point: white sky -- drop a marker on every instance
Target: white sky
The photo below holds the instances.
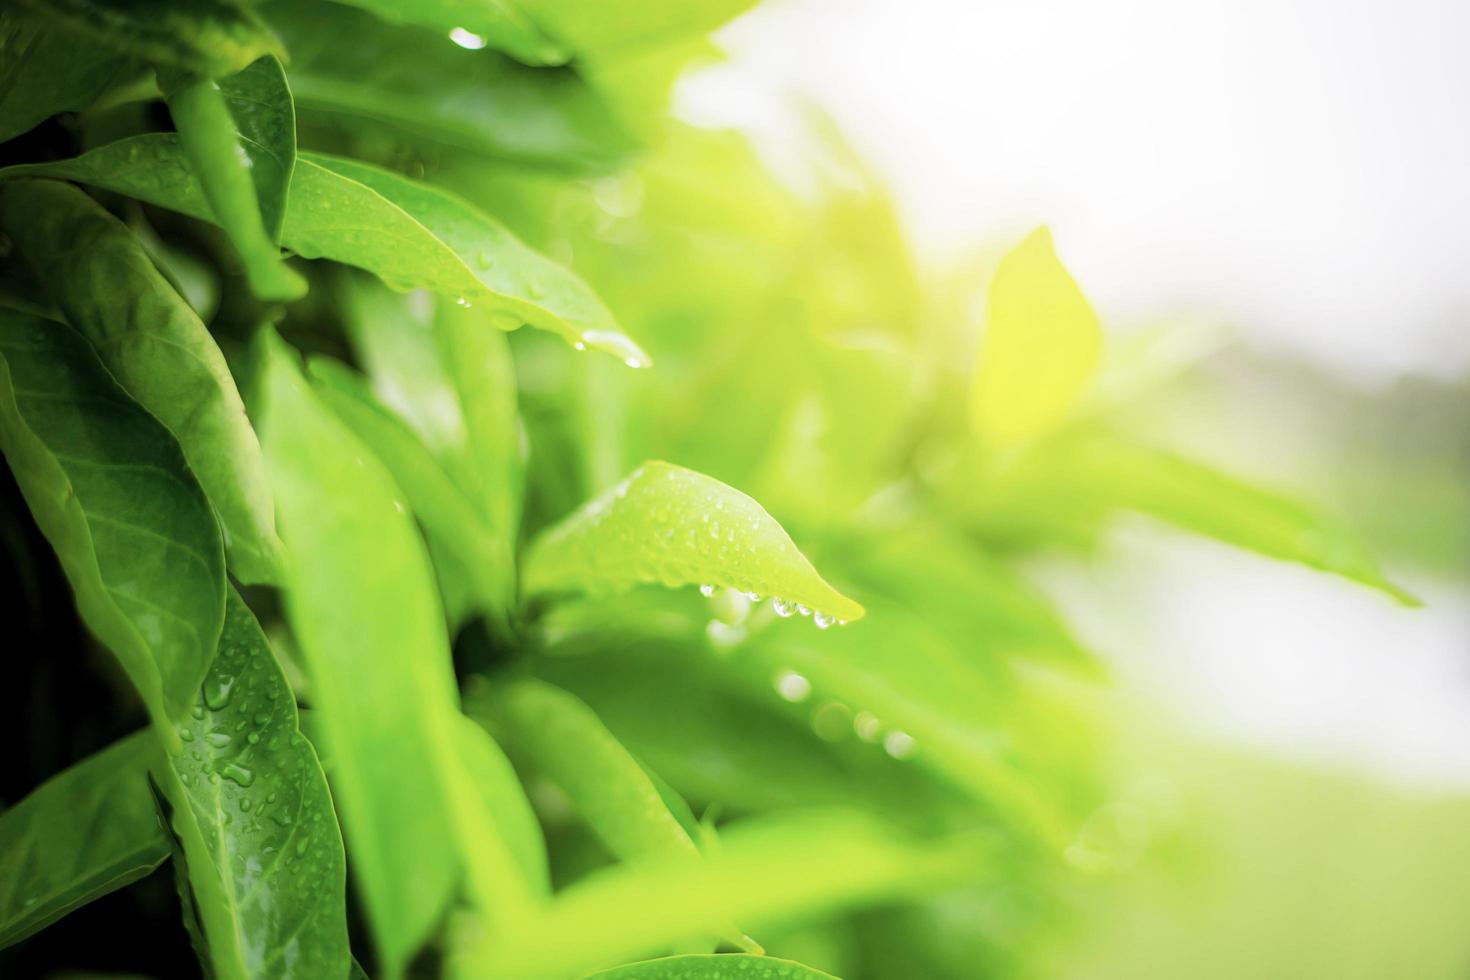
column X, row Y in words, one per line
column 1298, row 168
column 1301, row 168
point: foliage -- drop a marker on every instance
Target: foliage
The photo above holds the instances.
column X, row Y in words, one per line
column 272, row 410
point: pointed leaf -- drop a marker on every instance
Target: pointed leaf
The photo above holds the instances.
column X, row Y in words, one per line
column 409, row 234
column 564, row 741
column 98, row 273
column 360, row 601
column 86, row 831
column 240, row 138
column 211, row 37
column 503, row 795
column 674, row 526
column 737, row 966
column 111, row 491
column 1041, row 346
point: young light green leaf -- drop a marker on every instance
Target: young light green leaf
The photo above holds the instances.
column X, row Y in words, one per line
column 767, row 871
column 481, row 559
column 674, row 526
column 1041, row 346
column 240, row 137
column 270, row 876
column 1204, row 500
column 363, row 608
column 95, row 270
column 418, row 83
column 211, row 37
column 738, row 966
column 497, row 24
column 408, row 234
column 86, row 831
column 111, row 491
column 45, row 70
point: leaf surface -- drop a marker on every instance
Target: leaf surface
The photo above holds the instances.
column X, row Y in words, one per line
column 240, row 137
column 697, row 966
column 211, row 37
column 677, row 527
column 1041, row 346
column 766, row 871
column 419, row 83
column 86, row 831
column 111, row 491
column 100, row 276
column 363, row 609
column 410, row 235
column 271, row 876
column 498, row 24
column 45, row 70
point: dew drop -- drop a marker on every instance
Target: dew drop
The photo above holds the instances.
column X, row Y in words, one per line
column 824, row 621
column 467, row 39
column 245, row 804
column 899, row 744
column 578, row 345
column 237, row 774
column 187, row 734
column 253, row 738
column 866, row 725
column 804, row 610
column 218, row 739
column 752, row 597
column 217, row 691
column 707, row 591
column 782, row 608
column 301, row 846
column 792, row 686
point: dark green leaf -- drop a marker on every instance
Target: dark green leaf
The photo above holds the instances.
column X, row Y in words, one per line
column 45, row 70
column 211, row 37
column 408, row 234
column 420, row 83
column 497, row 24
column 112, row 493
column 99, row 275
column 83, row 833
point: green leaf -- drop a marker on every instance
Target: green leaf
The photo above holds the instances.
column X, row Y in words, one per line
column 270, row 876
column 480, row 560
column 564, row 741
column 86, row 831
column 98, row 273
column 360, row 600
column 497, row 24
column 1041, row 346
column 737, row 966
column 211, row 37
column 45, row 70
column 670, row 525
column 111, row 491
column 419, row 83
column 503, row 795
column 605, row 29
column 408, row 234
column 240, row 137
column 766, row 871
column 1206, row 501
